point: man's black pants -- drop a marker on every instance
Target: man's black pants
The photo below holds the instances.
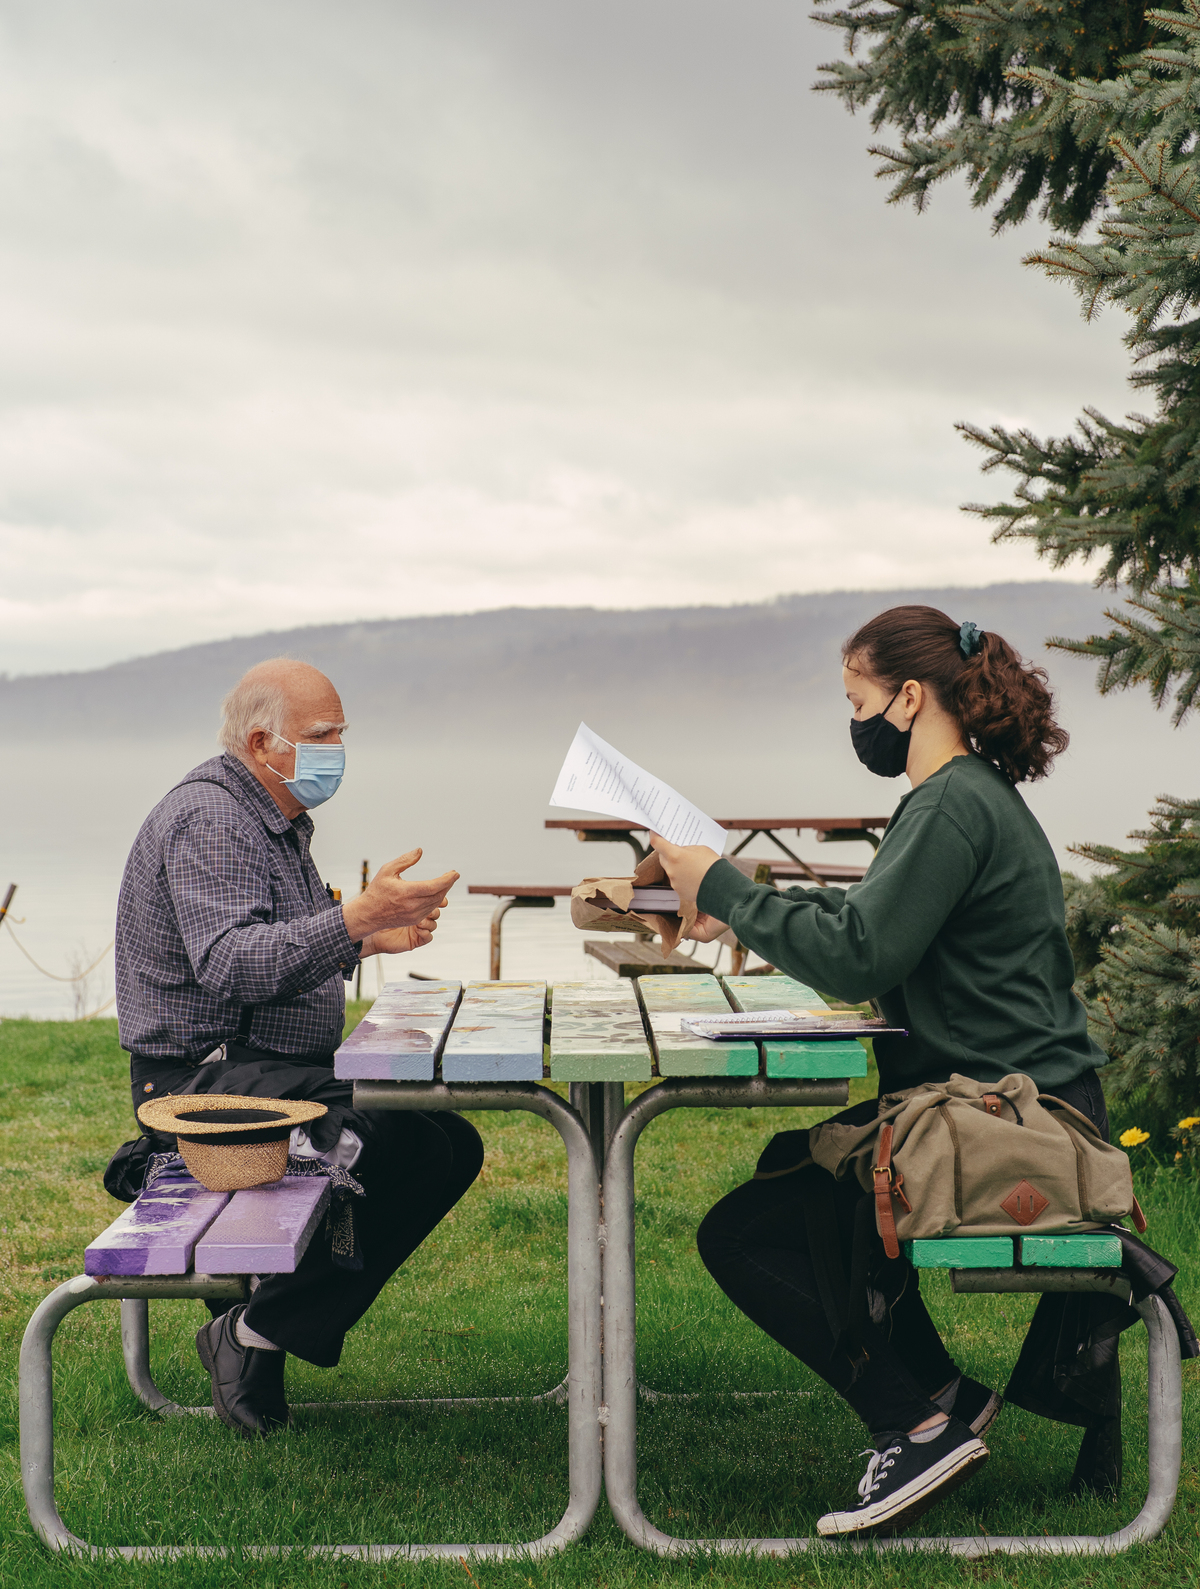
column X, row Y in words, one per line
column 755, row 1246
column 413, row 1168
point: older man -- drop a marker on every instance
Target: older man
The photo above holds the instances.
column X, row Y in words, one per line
column 232, row 959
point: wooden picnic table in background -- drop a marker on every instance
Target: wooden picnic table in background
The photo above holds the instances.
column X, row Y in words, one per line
column 631, row 960
column 829, row 830
column 519, row 895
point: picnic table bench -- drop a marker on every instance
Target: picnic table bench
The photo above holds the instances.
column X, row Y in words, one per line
column 496, row 1045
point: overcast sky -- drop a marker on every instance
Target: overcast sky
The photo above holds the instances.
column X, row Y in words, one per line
column 311, row 311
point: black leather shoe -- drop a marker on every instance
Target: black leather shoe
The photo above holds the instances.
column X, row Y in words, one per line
column 247, row 1383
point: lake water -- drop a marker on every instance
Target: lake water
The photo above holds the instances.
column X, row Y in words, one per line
column 71, row 816
column 66, row 848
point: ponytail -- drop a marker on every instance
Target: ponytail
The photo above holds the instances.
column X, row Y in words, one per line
column 1003, row 705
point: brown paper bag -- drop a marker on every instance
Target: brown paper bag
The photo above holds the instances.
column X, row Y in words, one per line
column 601, row 904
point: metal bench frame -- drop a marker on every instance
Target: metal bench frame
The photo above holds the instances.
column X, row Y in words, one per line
column 582, row 1386
column 1164, row 1413
column 598, row 1138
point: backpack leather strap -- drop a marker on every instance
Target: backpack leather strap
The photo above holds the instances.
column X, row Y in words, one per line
column 887, row 1183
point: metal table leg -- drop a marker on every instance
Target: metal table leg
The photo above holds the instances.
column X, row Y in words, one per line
column 620, row 1379
column 583, row 1372
column 620, row 1369
column 135, row 1347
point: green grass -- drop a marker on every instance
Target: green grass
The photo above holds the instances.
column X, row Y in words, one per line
column 481, row 1310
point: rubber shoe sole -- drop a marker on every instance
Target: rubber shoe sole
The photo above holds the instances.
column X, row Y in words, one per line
column 987, row 1415
column 912, row 1500
column 988, row 1405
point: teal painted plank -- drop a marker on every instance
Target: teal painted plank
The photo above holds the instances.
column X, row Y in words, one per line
column 596, row 1033
column 826, row 1058
column 402, row 1035
column 1077, row 1250
column 791, row 1057
column 665, row 1000
column 961, row 1252
column 497, row 1034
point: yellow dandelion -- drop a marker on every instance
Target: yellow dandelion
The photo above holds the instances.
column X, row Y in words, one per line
column 1189, row 1124
column 1133, row 1138
column 1178, row 1156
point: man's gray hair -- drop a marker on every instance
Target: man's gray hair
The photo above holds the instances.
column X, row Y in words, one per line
column 252, row 703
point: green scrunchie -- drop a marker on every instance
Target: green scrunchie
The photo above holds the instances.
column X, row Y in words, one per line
column 970, row 636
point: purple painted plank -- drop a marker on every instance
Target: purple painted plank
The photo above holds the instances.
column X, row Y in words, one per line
column 156, row 1235
column 264, row 1230
column 402, row 1037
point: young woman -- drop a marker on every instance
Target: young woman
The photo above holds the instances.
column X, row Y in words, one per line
column 957, row 934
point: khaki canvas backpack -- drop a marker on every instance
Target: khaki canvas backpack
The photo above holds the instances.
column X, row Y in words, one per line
column 973, row 1158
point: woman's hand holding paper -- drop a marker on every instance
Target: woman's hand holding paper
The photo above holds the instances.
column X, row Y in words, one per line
column 686, row 865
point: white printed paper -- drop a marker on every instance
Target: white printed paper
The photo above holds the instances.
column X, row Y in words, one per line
column 597, row 778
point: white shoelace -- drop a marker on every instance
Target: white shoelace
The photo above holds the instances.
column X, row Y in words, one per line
column 876, row 1467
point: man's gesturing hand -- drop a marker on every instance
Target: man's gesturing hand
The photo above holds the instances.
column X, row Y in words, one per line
column 392, row 900
column 399, row 940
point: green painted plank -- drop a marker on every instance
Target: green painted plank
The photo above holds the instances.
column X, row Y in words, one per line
column 596, row 1033
column 1077, row 1250
column 961, row 1252
column 665, row 1000
column 771, row 993
column 791, row 1057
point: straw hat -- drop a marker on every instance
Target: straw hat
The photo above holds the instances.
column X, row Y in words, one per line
column 229, row 1142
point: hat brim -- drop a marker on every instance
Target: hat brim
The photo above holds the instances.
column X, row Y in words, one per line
column 251, row 1120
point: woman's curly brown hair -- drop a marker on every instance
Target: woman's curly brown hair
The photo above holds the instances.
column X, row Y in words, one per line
column 1003, row 704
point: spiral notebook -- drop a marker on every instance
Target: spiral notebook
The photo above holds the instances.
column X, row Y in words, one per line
column 787, row 1023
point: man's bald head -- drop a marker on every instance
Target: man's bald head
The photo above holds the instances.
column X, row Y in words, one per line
column 287, row 699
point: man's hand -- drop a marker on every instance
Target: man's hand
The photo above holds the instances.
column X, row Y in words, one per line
column 392, row 901
column 399, row 940
column 685, row 865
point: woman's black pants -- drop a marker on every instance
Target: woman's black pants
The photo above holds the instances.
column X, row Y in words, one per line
column 755, row 1245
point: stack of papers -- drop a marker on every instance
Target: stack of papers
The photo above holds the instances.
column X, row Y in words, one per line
column 660, row 901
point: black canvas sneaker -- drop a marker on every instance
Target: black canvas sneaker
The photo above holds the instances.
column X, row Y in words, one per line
column 903, row 1480
column 971, row 1403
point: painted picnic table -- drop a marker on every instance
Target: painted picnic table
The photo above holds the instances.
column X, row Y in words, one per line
column 583, row 1032
column 492, row 1045
column 510, row 1039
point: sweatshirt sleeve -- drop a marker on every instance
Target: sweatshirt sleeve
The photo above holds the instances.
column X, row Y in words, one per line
column 870, row 939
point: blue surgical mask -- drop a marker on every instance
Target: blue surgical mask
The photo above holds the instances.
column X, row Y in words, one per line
column 319, row 771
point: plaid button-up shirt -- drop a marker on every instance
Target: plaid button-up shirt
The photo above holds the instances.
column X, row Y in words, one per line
column 222, row 908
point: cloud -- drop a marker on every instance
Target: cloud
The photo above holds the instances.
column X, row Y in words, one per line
column 313, row 312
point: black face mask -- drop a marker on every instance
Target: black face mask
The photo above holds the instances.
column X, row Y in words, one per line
column 879, row 745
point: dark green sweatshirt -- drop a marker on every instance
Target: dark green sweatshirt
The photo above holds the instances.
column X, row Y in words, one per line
column 957, row 931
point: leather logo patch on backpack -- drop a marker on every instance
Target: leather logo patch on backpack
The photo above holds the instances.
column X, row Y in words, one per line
column 1024, row 1203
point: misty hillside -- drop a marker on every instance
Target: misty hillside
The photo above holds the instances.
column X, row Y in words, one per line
column 431, row 675
column 459, row 726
